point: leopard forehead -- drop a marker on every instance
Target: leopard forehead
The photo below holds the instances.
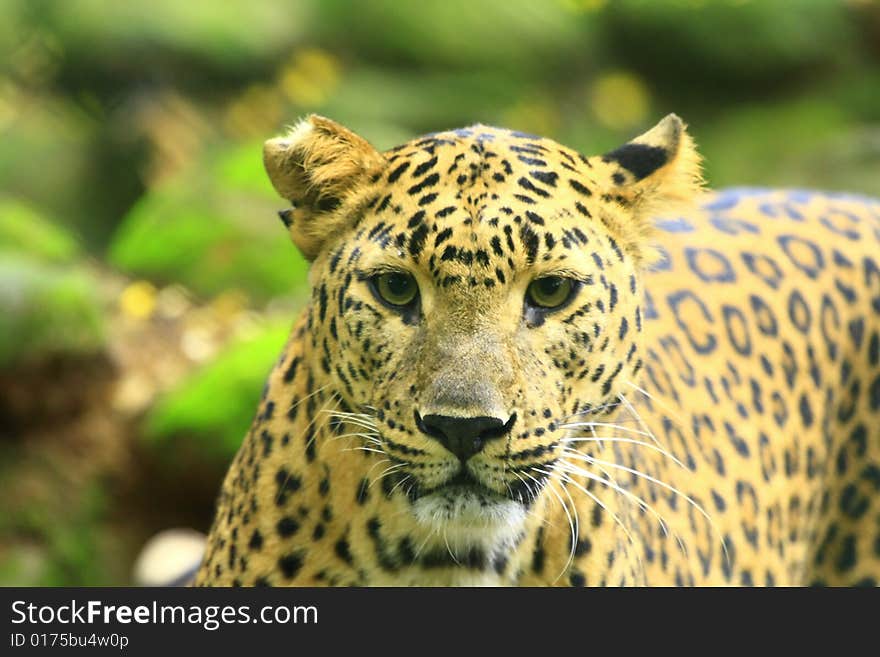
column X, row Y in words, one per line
column 473, row 178
column 475, row 214
column 472, row 209
column 493, row 189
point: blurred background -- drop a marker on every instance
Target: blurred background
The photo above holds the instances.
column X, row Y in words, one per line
column 146, row 285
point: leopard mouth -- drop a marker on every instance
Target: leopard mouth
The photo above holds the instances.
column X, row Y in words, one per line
column 462, row 485
column 464, row 489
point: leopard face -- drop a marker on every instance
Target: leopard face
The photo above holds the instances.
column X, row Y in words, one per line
column 471, row 297
column 480, row 333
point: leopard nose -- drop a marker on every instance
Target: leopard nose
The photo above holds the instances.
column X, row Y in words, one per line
column 464, row 436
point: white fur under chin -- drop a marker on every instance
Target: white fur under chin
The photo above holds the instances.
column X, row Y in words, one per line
column 464, row 519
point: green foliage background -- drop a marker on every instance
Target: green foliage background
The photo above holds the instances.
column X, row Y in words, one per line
column 130, row 138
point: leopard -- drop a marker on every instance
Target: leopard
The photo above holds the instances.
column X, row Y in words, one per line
column 523, row 366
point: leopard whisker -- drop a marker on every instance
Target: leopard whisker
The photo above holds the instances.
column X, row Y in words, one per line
column 308, row 396
column 379, row 462
column 663, row 523
column 565, row 477
column 357, row 421
column 386, row 472
column 394, row 488
column 571, row 527
column 662, row 484
column 448, row 548
column 638, row 417
column 548, row 521
column 618, row 439
column 666, row 407
column 577, row 527
column 354, row 417
column 678, row 418
column 575, row 425
column 364, row 449
column 530, row 496
column 422, row 545
column 592, row 410
column 356, row 434
column 605, row 472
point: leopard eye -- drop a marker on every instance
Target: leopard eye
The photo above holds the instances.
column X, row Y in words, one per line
column 397, row 289
column 550, row 292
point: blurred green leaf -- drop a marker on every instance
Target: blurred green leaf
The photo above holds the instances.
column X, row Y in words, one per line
column 215, row 406
column 425, row 100
column 46, row 309
column 211, row 238
column 732, row 43
column 233, row 32
column 770, row 144
column 239, row 167
column 25, row 230
column 500, row 35
column 45, row 156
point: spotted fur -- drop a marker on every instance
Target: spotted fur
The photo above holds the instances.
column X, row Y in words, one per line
column 704, row 410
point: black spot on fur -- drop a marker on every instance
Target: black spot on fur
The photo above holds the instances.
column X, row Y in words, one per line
column 442, row 236
column 639, row 159
column 397, row 172
column 287, row 526
column 290, row 564
column 287, row 484
column 343, row 551
column 846, row 558
column 428, row 181
column 546, row 177
column 530, row 241
column 424, row 167
column 417, row 240
column 579, row 188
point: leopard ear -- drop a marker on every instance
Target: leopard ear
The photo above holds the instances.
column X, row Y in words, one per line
column 655, row 173
column 318, row 166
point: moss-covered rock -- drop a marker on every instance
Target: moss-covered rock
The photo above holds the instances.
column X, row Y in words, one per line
column 47, row 309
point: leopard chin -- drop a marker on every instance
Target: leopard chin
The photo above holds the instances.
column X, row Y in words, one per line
column 467, row 517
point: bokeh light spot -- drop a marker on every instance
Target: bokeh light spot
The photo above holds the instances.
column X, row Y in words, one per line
column 311, row 77
column 620, row 100
column 138, row 300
